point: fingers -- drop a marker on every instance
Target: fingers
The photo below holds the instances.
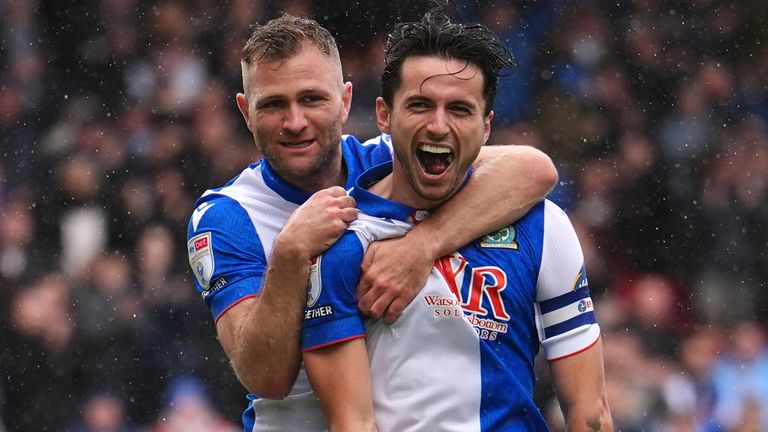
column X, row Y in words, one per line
column 348, row 215
column 366, row 296
column 365, row 300
column 320, row 221
column 379, row 305
column 336, row 191
column 343, row 203
column 394, row 310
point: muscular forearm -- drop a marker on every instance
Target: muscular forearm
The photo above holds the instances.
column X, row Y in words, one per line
column 265, row 347
column 579, row 382
column 262, row 335
column 507, row 182
column 589, row 418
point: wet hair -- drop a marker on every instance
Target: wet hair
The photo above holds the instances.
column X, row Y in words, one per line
column 436, row 36
column 283, row 37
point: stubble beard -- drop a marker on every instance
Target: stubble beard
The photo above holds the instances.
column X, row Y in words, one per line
column 313, row 171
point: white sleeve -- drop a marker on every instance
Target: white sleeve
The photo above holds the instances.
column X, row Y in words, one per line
column 564, row 311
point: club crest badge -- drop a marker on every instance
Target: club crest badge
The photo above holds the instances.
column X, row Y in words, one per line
column 201, row 258
column 315, row 283
column 501, row 239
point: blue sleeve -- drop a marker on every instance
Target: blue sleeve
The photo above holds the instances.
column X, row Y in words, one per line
column 331, row 315
column 225, row 253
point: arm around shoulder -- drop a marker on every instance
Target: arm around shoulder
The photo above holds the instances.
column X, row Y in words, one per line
column 508, row 181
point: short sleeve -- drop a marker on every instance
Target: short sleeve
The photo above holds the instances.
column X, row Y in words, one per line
column 225, row 253
column 564, row 310
column 331, row 315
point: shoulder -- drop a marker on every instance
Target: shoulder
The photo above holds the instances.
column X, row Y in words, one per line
column 360, row 156
column 214, row 211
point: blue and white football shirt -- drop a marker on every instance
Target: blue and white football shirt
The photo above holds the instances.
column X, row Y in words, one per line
column 230, row 238
column 461, row 355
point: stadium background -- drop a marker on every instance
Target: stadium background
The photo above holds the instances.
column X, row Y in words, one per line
column 116, row 114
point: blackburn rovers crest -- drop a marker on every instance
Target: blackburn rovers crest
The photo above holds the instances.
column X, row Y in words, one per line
column 501, row 239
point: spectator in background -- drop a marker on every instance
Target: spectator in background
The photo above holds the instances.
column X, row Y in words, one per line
column 188, row 408
column 17, row 233
column 689, row 393
column 41, row 358
column 102, row 411
column 78, row 82
column 740, row 377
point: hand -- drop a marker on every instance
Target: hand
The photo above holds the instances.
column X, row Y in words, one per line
column 319, row 222
column 394, row 271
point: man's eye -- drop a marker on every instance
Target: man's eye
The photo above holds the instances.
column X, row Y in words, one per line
column 417, row 105
column 273, row 104
column 311, row 99
column 461, row 110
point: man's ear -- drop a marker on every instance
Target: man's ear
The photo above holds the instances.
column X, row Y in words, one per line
column 382, row 115
column 487, row 125
column 242, row 104
column 346, row 101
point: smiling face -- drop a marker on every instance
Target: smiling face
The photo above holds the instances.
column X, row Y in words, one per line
column 295, row 109
column 437, row 124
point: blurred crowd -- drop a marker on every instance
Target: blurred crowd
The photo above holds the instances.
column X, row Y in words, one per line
column 115, row 115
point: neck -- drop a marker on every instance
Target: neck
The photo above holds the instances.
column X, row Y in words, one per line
column 397, row 188
column 383, row 188
column 322, row 179
column 315, row 184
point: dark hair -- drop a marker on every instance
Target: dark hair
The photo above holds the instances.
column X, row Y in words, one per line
column 436, row 35
column 282, row 37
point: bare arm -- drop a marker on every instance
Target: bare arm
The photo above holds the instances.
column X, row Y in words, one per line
column 507, row 182
column 579, row 381
column 341, row 378
column 261, row 335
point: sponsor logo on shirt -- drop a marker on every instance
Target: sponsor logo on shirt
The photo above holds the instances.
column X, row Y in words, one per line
column 487, row 328
column 219, row 284
column 501, row 239
column 443, row 307
column 481, row 302
column 318, row 312
column 585, row 305
column 200, row 252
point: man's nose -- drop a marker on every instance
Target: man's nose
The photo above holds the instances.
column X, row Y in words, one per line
column 438, row 123
column 295, row 120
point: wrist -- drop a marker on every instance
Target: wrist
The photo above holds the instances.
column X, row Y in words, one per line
column 287, row 250
column 429, row 240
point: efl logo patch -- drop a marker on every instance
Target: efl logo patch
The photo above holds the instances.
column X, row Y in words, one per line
column 501, row 239
column 201, row 258
column 315, row 283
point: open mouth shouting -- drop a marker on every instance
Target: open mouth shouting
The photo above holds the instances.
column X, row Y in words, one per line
column 434, row 160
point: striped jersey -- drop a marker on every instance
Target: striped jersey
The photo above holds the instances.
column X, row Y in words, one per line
column 461, row 355
column 230, row 237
